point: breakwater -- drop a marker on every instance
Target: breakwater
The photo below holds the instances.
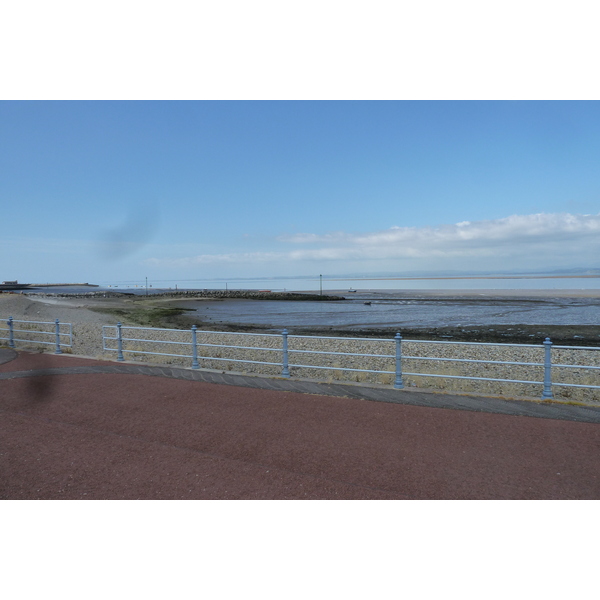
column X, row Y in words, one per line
column 15, row 285
column 212, row 294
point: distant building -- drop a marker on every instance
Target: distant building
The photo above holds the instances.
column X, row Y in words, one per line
column 13, row 285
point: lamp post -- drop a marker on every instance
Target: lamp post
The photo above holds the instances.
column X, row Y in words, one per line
column 146, row 286
column 320, row 285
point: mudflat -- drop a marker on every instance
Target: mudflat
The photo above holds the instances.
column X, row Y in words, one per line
column 498, row 316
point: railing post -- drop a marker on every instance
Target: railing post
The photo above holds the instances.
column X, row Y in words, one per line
column 194, row 348
column 58, row 350
column 119, row 343
column 398, row 383
column 547, row 394
column 286, row 371
column 11, row 335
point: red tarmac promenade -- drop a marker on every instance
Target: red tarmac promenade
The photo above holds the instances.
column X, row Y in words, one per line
column 73, row 428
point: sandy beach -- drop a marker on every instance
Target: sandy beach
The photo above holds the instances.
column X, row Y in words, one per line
column 75, row 310
column 87, row 324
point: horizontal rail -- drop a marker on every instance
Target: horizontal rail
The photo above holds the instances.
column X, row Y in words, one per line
column 155, row 353
column 577, row 347
column 414, row 358
column 341, row 369
column 578, row 385
column 341, row 353
column 576, row 367
column 198, row 331
column 39, row 322
column 241, row 347
column 476, row 378
column 144, row 328
column 37, row 342
column 34, row 334
column 474, row 360
column 256, row 362
column 324, row 337
column 36, row 331
column 152, row 341
column 240, row 333
column 469, row 343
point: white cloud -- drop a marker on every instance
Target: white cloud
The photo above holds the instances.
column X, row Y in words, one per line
column 510, row 236
column 541, row 240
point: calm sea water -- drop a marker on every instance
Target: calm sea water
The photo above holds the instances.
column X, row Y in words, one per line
column 384, row 310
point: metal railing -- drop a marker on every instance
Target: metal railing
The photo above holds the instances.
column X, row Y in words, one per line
column 33, row 332
column 190, row 343
column 547, row 364
column 549, row 367
column 571, row 366
column 397, row 372
column 283, row 349
column 396, row 359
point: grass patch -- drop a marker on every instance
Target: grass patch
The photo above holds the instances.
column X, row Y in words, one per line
column 147, row 316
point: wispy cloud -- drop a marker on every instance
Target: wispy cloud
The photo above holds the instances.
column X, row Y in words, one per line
column 461, row 237
column 208, row 259
column 538, row 238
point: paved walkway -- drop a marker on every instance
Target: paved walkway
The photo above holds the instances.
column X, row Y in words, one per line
column 548, row 410
column 79, row 428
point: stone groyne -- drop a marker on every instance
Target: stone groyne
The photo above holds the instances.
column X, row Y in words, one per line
column 216, row 294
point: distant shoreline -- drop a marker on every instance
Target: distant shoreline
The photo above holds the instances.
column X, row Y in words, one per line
column 26, row 286
column 458, row 277
column 479, row 293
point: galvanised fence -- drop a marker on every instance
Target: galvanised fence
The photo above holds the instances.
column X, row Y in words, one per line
column 531, row 369
column 53, row 333
column 543, row 370
column 182, row 344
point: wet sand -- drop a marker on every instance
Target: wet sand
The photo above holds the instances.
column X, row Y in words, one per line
column 508, row 316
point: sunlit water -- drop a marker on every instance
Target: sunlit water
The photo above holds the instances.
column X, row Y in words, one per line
column 385, row 311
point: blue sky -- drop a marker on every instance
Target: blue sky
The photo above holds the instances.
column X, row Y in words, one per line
column 120, row 190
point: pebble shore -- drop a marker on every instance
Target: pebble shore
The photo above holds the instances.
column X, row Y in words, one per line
column 307, row 350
